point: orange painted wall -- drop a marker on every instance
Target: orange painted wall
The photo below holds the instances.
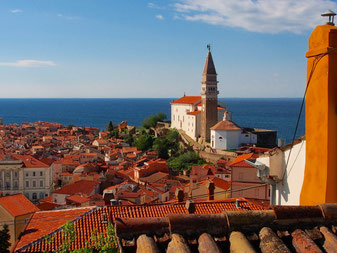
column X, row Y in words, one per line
column 320, row 176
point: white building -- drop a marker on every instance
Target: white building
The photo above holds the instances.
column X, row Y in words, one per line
column 288, row 179
column 25, row 174
column 186, row 115
column 227, row 135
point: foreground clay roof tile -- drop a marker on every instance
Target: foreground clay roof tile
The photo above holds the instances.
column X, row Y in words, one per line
column 45, row 222
column 87, row 220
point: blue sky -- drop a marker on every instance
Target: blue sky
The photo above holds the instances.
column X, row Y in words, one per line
column 136, row 48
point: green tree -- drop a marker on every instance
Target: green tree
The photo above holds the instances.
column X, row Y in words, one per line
column 113, row 134
column 168, row 145
column 185, row 161
column 144, row 142
column 69, row 127
column 98, row 242
column 153, row 119
column 110, row 126
column 4, row 239
column 161, row 145
column 128, row 138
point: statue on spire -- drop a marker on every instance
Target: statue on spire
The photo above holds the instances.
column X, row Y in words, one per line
column 209, row 47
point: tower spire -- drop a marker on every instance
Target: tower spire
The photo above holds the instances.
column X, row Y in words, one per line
column 209, row 97
column 209, row 65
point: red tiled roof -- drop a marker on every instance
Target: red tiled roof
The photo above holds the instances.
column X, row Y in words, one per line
column 77, row 198
column 86, row 224
column 187, row 100
column 18, row 205
column 83, row 186
column 226, row 125
column 240, row 160
column 45, row 206
column 29, row 161
column 45, row 222
column 194, row 113
column 223, row 184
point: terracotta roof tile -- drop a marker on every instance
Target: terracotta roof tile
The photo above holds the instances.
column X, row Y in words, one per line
column 194, row 113
column 45, row 222
column 18, row 205
column 86, row 224
column 187, row 100
column 85, row 187
column 241, row 158
column 226, row 125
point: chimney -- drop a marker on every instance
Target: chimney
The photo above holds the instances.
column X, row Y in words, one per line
column 179, row 195
column 320, row 117
column 190, row 207
column 227, row 115
column 210, row 189
column 238, row 203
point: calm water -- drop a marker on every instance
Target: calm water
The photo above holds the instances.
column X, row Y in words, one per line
column 273, row 113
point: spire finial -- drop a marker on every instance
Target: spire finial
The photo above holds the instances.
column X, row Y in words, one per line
column 209, row 47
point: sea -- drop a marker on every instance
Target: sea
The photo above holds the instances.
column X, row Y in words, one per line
column 278, row 114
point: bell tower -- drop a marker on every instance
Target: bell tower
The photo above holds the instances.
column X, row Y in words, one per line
column 209, row 97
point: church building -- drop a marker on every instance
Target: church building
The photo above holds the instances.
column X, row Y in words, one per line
column 197, row 114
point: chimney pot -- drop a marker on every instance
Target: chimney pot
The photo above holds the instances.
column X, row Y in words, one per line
column 190, row 206
column 179, row 195
column 238, row 203
column 210, row 189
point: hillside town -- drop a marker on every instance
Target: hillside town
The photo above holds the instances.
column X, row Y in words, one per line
column 196, row 183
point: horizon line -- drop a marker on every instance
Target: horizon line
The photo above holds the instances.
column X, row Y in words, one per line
column 134, row 97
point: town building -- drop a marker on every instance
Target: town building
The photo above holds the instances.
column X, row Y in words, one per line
column 25, row 174
column 15, row 211
column 228, row 135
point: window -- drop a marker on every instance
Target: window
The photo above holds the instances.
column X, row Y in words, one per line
column 34, row 174
column 15, row 184
column 41, row 183
column 27, row 174
column 15, row 174
column 41, row 173
column 220, row 138
column 41, row 195
column 34, row 183
column 27, row 183
column 34, row 195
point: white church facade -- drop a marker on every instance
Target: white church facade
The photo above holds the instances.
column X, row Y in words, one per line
column 227, row 135
column 186, row 115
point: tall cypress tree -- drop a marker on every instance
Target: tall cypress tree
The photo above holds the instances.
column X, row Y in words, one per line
column 4, row 239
